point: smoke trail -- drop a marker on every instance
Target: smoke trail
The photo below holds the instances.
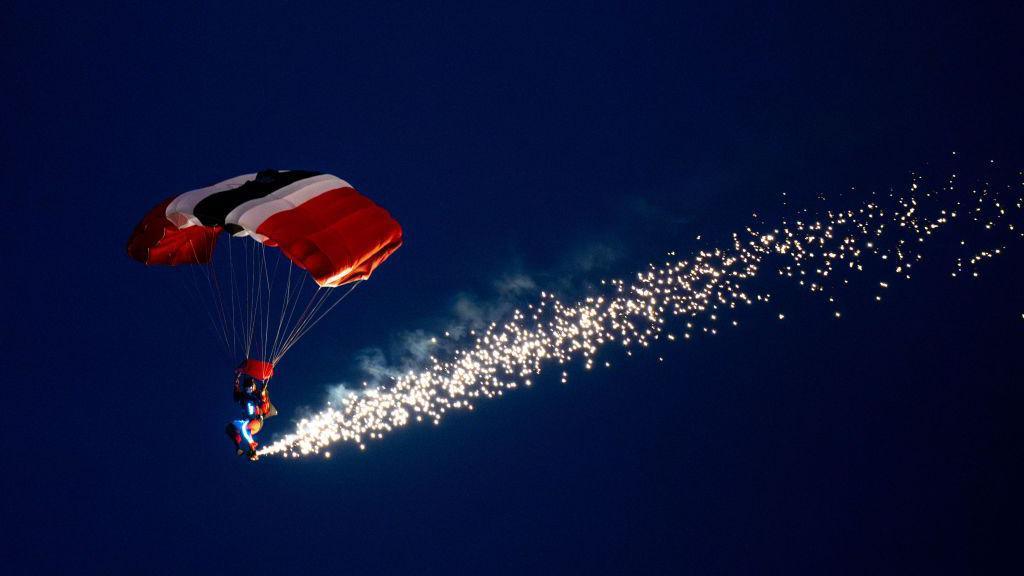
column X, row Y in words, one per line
column 675, row 300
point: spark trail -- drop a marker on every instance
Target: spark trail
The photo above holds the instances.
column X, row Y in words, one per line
column 680, row 299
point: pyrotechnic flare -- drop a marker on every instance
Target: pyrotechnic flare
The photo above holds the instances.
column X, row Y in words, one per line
column 677, row 300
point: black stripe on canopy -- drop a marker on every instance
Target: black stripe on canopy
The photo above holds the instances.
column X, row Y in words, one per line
column 213, row 209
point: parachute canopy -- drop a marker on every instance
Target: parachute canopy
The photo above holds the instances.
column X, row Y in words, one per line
column 295, row 221
column 318, row 221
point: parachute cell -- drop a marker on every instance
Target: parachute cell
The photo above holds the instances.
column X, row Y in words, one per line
column 157, row 241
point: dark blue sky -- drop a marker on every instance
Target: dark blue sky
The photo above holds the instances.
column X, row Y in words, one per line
column 507, row 139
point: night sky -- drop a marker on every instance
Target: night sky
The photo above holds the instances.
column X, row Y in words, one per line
column 565, row 143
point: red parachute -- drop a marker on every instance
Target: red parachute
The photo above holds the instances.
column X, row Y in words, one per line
column 313, row 222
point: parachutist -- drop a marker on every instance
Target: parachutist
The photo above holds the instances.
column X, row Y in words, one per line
column 252, row 378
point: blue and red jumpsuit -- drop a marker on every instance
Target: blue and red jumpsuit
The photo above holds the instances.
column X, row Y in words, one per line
column 255, row 403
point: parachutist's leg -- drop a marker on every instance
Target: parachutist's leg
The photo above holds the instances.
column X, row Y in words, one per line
column 243, row 427
column 232, row 434
column 240, row 435
column 249, row 429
